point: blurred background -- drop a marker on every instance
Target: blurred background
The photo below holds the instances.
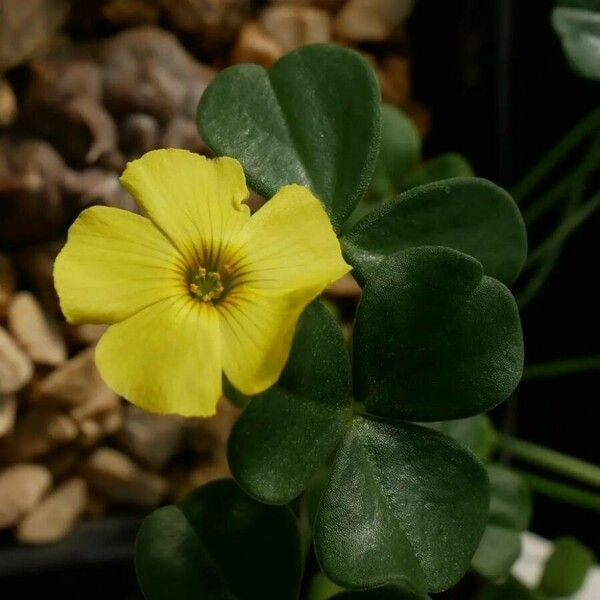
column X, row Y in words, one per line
column 86, row 86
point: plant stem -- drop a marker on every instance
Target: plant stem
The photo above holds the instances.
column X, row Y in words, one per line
column 562, row 367
column 585, row 127
column 561, row 491
column 552, row 460
column 562, row 232
column 545, row 202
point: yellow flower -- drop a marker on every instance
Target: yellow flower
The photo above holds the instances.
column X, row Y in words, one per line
column 198, row 288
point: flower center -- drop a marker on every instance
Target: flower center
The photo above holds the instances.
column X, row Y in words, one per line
column 206, row 285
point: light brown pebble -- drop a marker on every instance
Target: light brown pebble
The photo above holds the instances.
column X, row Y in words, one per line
column 207, row 436
column 295, row 26
column 21, row 488
column 371, row 20
column 39, row 337
column 54, row 518
column 16, row 369
column 255, row 45
column 8, row 283
column 150, row 438
column 8, row 413
column 121, row 480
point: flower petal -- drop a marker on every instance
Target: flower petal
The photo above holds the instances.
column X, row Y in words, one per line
column 115, row 263
column 291, row 255
column 291, row 247
column 198, row 203
column 257, row 333
column 166, row 358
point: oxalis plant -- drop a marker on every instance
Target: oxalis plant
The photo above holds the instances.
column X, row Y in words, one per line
column 342, row 450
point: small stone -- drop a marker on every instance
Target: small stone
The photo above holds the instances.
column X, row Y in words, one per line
column 21, row 488
column 121, row 480
column 140, row 133
column 37, row 432
column 73, row 383
column 101, row 403
column 63, row 461
column 209, row 436
column 90, row 433
column 54, row 518
column 150, row 438
column 8, row 413
column 86, row 334
column 8, row 103
column 295, row 26
column 346, row 287
column 16, row 369
column 184, row 481
column 394, row 80
column 8, row 283
column 371, row 20
column 255, row 45
column 182, row 132
column 131, row 12
column 38, row 336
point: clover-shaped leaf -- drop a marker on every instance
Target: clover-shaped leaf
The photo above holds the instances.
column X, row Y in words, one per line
column 435, row 339
column 219, row 543
column 382, row 593
column 286, row 434
column 404, row 505
column 313, row 118
column 509, row 516
column 444, row 166
column 472, row 215
column 475, row 433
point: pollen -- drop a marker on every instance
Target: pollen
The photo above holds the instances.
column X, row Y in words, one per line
column 206, row 285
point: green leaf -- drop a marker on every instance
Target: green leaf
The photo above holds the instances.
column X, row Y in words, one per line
column 476, row 433
column 321, row 588
column 286, row 434
column 219, row 544
column 510, row 513
column 579, row 32
column 434, row 339
column 313, row 118
column 467, row 214
column 511, row 589
column 405, row 505
column 567, row 568
column 383, row 593
column 445, row 166
column 400, row 149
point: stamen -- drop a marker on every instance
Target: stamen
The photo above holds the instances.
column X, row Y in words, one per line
column 206, row 285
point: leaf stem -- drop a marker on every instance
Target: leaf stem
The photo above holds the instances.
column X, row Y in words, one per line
column 532, row 178
column 552, row 460
column 562, row 232
column 567, row 366
column 561, row 491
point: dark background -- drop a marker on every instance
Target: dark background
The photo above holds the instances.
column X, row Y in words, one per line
column 501, row 92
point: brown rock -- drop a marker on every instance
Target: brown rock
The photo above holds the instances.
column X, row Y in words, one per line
column 8, row 103
column 140, row 133
column 131, row 12
column 73, row 383
column 39, row 337
column 54, row 518
column 8, row 413
column 21, row 488
column 371, row 20
column 90, row 433
column 255, row 45
column 152, row 439
column 31, row 176
column 346, row 287
column 101, row 403
column 15, row 367
column 85, row 334
column 181, row 132
column 37, row 265
column 209, row 436
column 26, row 28
column 394, row 80
column 121, row 480
column 63, row 461
column 294, row 26
column 183, row 481
column 8, row 283
column 148, row 71
column 208, row 25
column 37, row 432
